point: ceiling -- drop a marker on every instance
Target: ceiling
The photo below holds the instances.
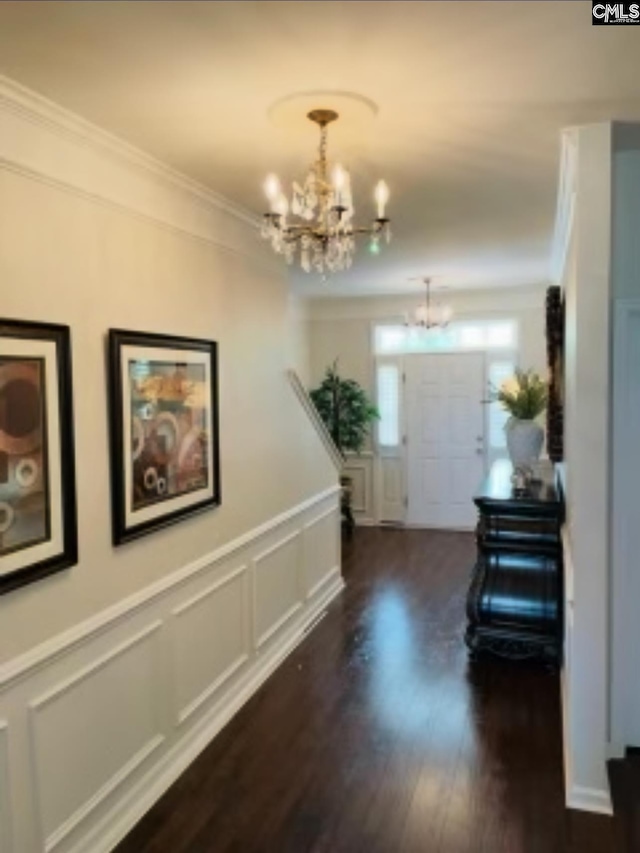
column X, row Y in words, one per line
column 471, row 97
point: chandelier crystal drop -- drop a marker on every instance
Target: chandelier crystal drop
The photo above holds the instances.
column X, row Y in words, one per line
column 316, row 225
column 430, row 315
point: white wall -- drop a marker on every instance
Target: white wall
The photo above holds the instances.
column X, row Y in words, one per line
column 586, row 280
column 117, row 671
column 602, row 420
column 625, row 510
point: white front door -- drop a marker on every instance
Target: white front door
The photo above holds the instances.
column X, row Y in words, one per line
column 445, row 438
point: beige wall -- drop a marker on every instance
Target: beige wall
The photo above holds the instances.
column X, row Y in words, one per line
column 299, row 352
column 93, row 243
column 342, row 328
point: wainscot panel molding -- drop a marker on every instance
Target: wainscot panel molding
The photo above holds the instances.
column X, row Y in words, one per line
column 278, row 589
column 221, row 607
column 91, row 731
column 43, row 654
column 101, row 720
column 361, row 469
column 322, row 551
column 45, row 142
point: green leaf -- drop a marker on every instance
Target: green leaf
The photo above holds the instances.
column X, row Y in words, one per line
column 345, row 409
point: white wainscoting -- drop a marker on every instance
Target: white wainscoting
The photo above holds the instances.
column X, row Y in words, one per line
column 322, row 551
column 97, row 723
column 360, row 468
column 278, row 587
column 220, row 609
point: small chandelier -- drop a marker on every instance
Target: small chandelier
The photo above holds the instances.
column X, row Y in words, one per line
column 430, row 315
column 323, row 233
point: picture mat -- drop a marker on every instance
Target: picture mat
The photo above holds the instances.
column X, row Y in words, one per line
column 46, row 350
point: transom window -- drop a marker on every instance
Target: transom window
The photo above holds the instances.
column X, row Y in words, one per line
column 397, row 339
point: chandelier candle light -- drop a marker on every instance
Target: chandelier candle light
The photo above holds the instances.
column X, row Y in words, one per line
column 430, row 315
column 324, row 234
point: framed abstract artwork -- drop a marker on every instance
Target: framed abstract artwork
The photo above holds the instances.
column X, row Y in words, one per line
column 165, row 459
column 38, row 530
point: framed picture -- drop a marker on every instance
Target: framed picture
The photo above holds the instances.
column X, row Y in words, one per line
column 165, row 460
column 38, row 531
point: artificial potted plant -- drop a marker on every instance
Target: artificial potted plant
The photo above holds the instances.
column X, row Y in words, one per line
column 524, row 396
column 348, row 414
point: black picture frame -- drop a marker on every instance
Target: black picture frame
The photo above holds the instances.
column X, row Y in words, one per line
column 46, row 498
column 126, row 485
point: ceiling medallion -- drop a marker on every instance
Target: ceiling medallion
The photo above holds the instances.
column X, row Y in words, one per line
column 323, row 233
column 430, row 315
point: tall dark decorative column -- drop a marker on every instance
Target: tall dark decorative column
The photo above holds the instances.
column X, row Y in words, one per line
column 555, row 359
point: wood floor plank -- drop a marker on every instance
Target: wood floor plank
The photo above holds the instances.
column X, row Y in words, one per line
column 377, row 735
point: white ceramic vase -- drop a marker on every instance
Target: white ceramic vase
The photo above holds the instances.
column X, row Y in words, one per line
column 524, row 441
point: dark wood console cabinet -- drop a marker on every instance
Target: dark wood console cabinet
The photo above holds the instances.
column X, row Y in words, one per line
column 514, row 604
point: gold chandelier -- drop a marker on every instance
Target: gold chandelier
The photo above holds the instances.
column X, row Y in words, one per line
column 430, row 315
column 323, row 233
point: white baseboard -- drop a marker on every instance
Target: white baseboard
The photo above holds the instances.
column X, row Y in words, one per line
column 116, row 826
column 579, row 797
column 589, row 800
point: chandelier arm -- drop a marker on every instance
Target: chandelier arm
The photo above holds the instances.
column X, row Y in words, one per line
column 326, row 242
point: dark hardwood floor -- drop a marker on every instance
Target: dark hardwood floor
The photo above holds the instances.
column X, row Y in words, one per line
column 377, row 734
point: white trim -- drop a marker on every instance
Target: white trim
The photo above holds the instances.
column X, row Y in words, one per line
column 589, row 800
column 315, row 419
column 272, row 630
column 181, row 715
column 36, row 705
column 318, row 518
column 207, row 591
column 365, row 467
column 295, row 607
column 125, row 208
column 61, row 688
column 55, row 838
column 189, row 710
column 75, row 156
column 19, row 667
column 47, row 114
column 327, row 581
column 113, row 828
column 577, row 796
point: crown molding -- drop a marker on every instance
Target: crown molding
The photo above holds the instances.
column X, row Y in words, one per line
column 27, row 104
